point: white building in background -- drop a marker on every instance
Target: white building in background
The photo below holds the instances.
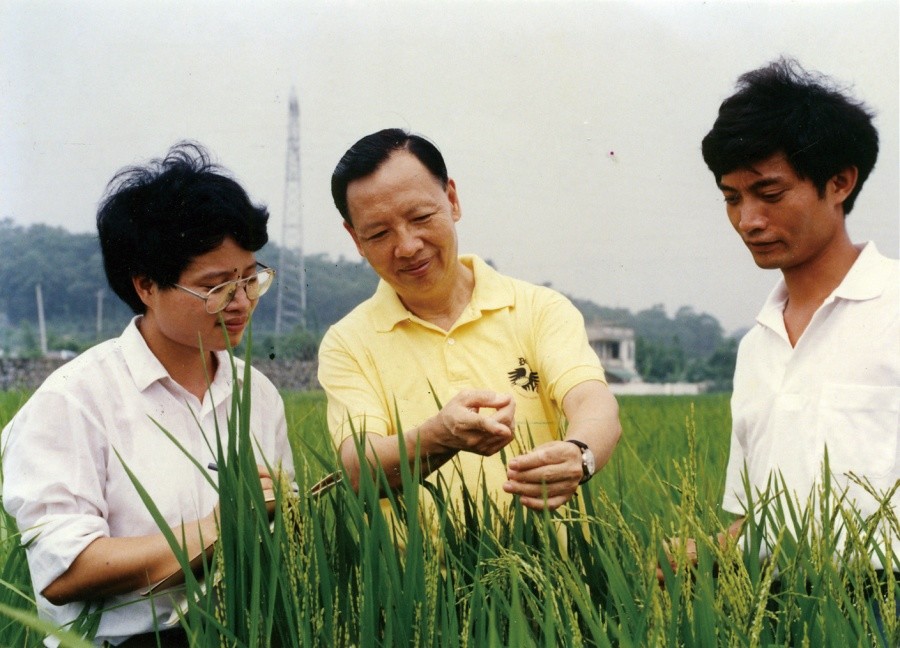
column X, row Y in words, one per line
column 614, row 345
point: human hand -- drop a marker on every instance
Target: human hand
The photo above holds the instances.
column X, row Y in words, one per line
column 460, row 425
column 208, row 526
column 546, row 477
column 683, row 551
column 267, row 481
column 677, row 549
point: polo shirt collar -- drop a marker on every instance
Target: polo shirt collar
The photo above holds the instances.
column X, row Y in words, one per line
column 390, row 311
column 867, row 279
column 146, row 369
column 491, row 292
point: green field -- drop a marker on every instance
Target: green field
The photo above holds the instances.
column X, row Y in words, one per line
column 335, row 572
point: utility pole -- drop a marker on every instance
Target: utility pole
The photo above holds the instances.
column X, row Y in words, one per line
column 291, row 306
column 42, row 326
column 99, row 313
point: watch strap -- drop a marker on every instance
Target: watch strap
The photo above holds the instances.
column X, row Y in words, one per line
column 586, row 474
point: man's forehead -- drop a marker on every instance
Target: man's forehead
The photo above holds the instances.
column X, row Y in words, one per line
column 771, row 169
column 401, row 178
column 400, row 167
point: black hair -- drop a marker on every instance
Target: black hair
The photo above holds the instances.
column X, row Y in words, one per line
column 782, row 108
column 156, row 218
column 363, row 159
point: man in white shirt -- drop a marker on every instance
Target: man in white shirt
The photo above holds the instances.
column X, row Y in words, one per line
column 821, row 367
column 178, row 238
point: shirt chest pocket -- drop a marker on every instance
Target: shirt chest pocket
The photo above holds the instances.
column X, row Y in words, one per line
column 859, row 424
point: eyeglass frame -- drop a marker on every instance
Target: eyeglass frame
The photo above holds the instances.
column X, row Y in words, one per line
column 238, row 283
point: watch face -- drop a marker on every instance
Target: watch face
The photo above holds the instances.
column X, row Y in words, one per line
column 588, row 458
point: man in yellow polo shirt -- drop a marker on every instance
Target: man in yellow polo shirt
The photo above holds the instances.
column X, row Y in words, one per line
column 509, row 362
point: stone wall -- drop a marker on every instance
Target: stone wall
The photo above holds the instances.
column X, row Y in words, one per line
column 22, row 373
column 290, row 375
column 28, row 374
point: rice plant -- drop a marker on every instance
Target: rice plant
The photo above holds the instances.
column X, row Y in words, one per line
column 335, row 570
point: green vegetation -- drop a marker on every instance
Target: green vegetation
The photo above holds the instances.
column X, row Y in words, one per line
column 35, row 255
column 687, row 346
column 333, row 571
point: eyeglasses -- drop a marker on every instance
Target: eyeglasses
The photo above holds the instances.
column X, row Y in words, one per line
column 218, row 298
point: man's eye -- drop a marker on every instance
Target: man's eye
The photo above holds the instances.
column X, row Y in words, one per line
column 731, row 199
column 773, row 197
column 421, row 219
column 376, row 236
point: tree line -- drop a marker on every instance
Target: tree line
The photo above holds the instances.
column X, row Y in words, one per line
column 80, row 309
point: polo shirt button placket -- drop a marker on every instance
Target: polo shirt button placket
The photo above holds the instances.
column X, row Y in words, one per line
column 456, row 367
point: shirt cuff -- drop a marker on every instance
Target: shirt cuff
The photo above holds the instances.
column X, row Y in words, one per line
column 55, row 541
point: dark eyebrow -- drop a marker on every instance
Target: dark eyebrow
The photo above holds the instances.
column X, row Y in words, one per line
column 370, row 229
column 762, row 183
column 221, row 276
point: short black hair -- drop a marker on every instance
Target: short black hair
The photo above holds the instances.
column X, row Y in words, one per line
column 782, row 108
column 370, row 152
column 156, row 218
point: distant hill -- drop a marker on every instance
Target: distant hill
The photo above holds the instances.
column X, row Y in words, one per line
column 70, row 270
column 68, row 267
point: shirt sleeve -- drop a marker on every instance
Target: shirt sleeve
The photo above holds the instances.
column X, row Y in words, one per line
column 283, row 453
column 272, row 429
column 353, row 403
column 54, row 467
column 565, row 357
column 734, row 498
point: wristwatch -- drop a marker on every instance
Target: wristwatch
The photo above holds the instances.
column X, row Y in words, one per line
column 588, row 466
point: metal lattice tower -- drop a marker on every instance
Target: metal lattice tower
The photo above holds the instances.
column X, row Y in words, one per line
column 291, row 308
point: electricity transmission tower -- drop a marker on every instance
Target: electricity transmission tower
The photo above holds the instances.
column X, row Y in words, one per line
column 291, row 307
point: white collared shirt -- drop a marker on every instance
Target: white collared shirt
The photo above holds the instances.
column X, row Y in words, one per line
column 65, row 485
column 839, row 388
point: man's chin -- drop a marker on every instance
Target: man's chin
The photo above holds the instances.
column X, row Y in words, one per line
column 766, row 264
column 768, row 261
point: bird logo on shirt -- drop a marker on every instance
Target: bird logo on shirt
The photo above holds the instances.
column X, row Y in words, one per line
column 522, row 376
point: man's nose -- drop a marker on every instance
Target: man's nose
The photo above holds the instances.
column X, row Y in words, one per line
column 408, row 243
column 752, row 216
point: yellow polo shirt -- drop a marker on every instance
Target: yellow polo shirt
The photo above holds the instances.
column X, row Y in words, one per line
column 380, row 362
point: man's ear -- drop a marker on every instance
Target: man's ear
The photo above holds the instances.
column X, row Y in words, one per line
column 145, row 288
column 453, row 197
column 355, row 237
column 843, row 183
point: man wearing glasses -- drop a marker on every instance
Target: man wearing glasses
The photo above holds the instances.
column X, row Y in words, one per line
column 178, row 238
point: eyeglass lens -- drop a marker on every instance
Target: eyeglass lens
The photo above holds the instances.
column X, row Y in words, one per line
column 219, row 297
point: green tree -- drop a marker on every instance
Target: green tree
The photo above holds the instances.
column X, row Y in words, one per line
column 659, row 361
column 70, row 270
column 299, row 344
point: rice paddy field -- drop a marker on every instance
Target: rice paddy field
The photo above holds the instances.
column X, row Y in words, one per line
column 334, row 571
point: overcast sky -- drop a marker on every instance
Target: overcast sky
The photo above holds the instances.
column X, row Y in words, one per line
column 572, row 129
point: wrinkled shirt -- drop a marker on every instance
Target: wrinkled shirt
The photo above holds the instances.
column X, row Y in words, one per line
column 838, row 388
column 65, row 452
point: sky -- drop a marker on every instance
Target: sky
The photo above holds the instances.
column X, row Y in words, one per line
column 572, row 129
